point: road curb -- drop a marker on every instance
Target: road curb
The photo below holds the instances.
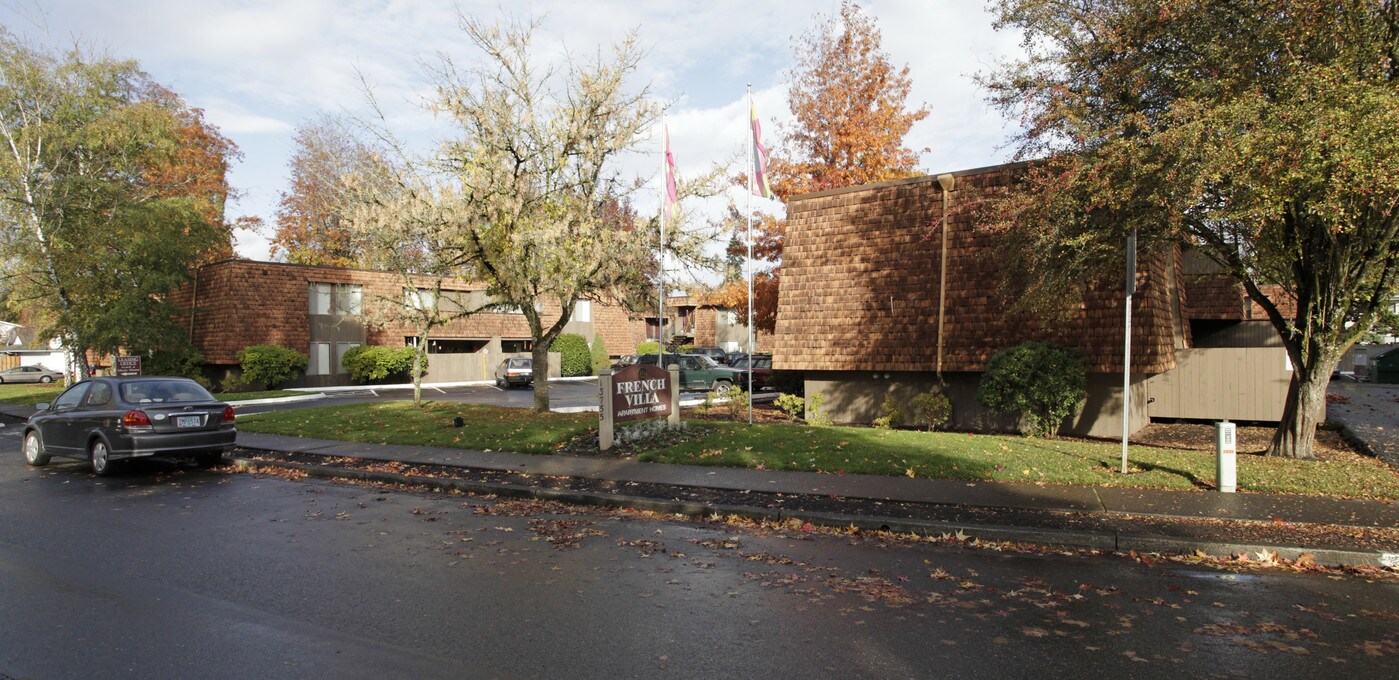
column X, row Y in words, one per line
column 1113, row 542
column 276, row 400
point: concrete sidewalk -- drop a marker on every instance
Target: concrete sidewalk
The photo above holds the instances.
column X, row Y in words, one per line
column 1180, row 504
column 1369, row 416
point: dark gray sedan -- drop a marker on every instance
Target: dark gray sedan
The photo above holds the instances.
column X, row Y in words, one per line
column 105, row 420
column 29, row 374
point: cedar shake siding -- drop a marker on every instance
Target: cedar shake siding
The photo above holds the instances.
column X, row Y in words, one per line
column 858, row 311
column 238, row 303
column 860, row 288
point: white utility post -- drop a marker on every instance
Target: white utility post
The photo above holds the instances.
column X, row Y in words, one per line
column 1226, row 456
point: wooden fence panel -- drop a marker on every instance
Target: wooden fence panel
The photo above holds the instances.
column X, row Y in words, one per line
column 1234, row 383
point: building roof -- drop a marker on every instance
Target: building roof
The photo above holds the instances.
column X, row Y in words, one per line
column 240, row 302
column 860, row 288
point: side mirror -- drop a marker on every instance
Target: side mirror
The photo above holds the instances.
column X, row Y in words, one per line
column 41, row 406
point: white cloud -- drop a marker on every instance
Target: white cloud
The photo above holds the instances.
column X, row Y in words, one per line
column 259, row 67
column 233, row 120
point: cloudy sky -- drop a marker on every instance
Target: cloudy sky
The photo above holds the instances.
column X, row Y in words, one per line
column 261, row 67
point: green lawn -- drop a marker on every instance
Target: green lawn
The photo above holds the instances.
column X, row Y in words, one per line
column 399, row 422
column 29, row 394
column 941, row 455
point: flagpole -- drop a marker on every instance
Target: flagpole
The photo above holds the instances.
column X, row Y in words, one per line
column 749, row 260
column 660, row 254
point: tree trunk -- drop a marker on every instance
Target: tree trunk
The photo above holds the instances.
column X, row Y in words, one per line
column 419, row 355
column 540, row 371
column 1305, row 409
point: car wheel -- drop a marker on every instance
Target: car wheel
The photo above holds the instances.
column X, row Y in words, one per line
column 722, row 387
column 101, row 458
column 46, row 379
column 500, row 383
column 34, row 450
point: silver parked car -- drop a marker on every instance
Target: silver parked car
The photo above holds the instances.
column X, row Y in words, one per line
column 29, row 374
column 515, row 371
column 105, row 420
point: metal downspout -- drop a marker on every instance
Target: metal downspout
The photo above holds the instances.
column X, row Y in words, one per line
column 947, row 182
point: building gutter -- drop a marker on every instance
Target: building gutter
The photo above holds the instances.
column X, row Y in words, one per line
column 947, row 181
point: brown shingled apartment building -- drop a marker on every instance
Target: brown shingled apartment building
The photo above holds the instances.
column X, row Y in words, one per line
column 691, row 320
column 858, row 313
column 321, row 311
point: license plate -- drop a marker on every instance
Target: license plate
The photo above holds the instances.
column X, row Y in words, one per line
column 188, row 421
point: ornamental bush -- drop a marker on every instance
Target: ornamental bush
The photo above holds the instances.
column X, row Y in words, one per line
column 1041, row 382
column 791, row 404
column 648, row 347
column 892, row 416
column 575, row 358
column 932, row 409
column 368, row 363
column 271, row 365
column 601, row 359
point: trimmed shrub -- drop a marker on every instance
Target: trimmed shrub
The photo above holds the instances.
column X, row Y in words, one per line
column 648, row 347
column 575, row 358
column 737, row 404
column 892, row 417
column 791, row 404
column 369, row 363
column 601, row 359
column 1041, row 382
column 932, row 409
column 271, row 365
column 814, row 414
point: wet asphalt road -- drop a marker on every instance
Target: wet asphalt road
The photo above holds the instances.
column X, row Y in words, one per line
column 171, row 572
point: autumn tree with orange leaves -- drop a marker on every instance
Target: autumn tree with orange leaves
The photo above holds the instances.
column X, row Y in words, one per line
column 850, row 109
column 311, row 218
column 197, row 170
column 111, row 191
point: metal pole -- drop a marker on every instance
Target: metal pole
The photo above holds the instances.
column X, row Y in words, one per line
column 1127, row 346
column 660, row 254
column 947, row 182
column 749, row 261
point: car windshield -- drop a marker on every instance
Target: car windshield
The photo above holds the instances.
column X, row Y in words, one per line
column 706, row 361
column 163, row 392
column 740, row 363
column 521, row 363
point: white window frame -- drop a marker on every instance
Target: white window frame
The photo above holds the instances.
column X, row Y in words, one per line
column 583, row 311
column 319, row 365
column 353, row 294
column 322, row 296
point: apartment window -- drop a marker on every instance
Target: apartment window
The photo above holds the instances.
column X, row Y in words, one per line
column 333, row 299
column 348, row 299
column 320, row 298
column 583, row 311
column 421, row 298
column 320, row 359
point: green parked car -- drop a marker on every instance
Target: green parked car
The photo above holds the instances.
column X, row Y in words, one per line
column 700, row 373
